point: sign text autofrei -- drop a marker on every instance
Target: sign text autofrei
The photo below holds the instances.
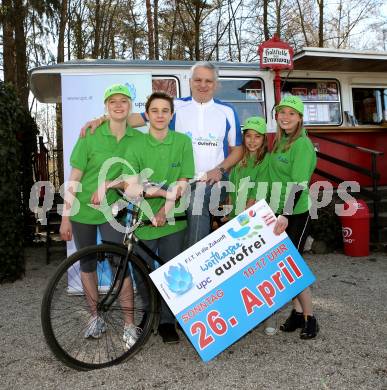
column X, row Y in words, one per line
column 229, row 282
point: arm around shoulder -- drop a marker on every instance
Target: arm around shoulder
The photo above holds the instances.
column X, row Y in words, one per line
column 136, row 120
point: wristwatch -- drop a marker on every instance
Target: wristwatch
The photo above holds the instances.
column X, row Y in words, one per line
column 222, row 170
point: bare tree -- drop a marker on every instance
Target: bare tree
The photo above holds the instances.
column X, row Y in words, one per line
column 20, row 52
column 151, row 42
column 321, row 23
column 63, row 13
column 302, row 23
column 226, row 28
column 278, row 6
column 8, row 42
column 265, row 20
column 349, row 17
column 156, row 28
column 198, row 11
column 97, row 28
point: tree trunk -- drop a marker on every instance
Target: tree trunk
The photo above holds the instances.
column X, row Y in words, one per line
column 229, row 33
column 217, row 39
column 170, row 48
column 97, row 31
column 321, row 23
column 156, row 24
column 20, row 50
column 8, row 43
column 340, row 8
column 149, row 19
column 237, row 41
column 68, row 32
column 62, row 29
column 197, row 30
column 58, row 108
column 265, row 23
column 278, row 17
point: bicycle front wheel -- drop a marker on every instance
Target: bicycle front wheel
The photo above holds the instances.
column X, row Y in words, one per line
column 84, row 314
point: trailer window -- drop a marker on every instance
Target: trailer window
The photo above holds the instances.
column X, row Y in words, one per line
column 168, row 85
column 246, row 95
column 370, row 105
column 321, row 100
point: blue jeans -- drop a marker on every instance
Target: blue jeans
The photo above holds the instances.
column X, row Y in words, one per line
column 167, row 248
column 204, row 199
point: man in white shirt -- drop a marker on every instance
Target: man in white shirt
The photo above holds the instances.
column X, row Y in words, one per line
column 214, row 129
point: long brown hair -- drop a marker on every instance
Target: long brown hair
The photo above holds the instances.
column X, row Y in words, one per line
column 290, row 139
column 259, row 155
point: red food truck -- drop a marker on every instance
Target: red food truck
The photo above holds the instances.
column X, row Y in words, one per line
column 344, row 93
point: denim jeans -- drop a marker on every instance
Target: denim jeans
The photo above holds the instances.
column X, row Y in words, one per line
column 204, row 199
column 167, row 248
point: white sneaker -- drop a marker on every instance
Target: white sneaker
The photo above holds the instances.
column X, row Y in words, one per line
column 131, row 335
column 95, row 327
column 271, row 325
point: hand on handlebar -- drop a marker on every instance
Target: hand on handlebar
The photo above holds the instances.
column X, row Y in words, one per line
column 160, row 218
column 99, row 195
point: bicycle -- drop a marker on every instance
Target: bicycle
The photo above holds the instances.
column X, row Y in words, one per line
column 65, row 313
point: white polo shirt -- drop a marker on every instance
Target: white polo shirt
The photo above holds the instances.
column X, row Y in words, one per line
column 212, row 127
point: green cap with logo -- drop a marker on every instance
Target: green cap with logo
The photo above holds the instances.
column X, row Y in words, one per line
column 116, row 88
column 256, row 123
column 293, row 102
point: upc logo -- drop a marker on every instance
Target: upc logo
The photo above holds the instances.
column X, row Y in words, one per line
column 347, row 233
column 178, row 279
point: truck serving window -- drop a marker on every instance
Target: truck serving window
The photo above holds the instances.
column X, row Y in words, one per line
column 370, row 105
column 321, row 100
column 245, row 94
column 169, row 85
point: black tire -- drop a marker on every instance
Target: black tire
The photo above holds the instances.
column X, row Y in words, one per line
column 65, row 313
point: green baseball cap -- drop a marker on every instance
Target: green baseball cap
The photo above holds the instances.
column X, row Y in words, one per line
column 256, row 123
column 293, row 102
column 116, row 88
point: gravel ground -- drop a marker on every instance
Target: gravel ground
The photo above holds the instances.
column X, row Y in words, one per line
column 350, row 351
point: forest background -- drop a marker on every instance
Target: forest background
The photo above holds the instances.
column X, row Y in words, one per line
column 36, row 33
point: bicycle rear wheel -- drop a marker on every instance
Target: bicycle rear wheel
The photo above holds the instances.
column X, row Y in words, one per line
column 67, row 306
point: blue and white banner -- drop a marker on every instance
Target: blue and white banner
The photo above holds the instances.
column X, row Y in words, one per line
column 82, row 100
column 229, row 282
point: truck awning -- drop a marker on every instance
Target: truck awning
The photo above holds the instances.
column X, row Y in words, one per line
column 323, row 59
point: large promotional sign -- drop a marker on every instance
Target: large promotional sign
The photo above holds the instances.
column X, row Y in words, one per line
column 82, row 100
column 229, row 282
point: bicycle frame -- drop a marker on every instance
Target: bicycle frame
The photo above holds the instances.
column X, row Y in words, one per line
column 129, row 240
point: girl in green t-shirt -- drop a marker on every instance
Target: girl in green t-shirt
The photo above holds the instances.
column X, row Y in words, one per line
column 292, row 162
column 81, row 221
column 251, row 180
column 251, row 173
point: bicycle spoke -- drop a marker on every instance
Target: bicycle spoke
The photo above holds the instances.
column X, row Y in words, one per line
column 67, row 309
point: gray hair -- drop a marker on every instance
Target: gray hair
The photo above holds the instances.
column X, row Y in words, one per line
column 205, row 64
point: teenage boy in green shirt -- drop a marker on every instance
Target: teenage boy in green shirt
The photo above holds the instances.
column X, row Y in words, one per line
column 170, row 157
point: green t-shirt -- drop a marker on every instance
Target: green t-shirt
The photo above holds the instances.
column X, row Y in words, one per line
column 240, row 176
column 296, row 165
column 89, row 155
column 170, row 159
